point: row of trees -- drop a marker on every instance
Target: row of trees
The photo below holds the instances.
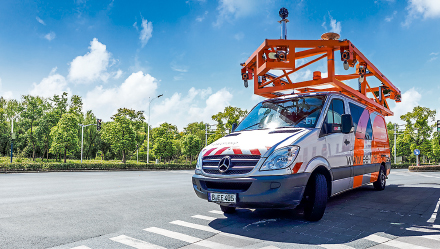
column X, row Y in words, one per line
column 417, row 134
column 49, row 128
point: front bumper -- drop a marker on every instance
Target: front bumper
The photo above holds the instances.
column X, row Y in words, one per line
column 280, row 191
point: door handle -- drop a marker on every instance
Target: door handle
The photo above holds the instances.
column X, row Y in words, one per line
column 346, row 142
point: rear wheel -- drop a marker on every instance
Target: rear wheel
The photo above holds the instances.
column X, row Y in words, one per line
column 381, row 181
column 227, row 210
column 315, row 197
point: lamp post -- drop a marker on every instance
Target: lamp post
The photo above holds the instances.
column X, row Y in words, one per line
column 82, row 138
column 148, row 125
column 12, row 136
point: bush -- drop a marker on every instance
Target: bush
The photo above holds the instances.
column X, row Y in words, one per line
column 425, row 168
column 34, row 166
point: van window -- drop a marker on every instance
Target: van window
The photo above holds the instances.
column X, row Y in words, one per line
column 333, row 119
column 366, row 130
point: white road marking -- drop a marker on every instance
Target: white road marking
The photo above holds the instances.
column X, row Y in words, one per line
column 81, row 247
column 434, row 214
column 434, row 237
column 270, row 247
column 187, row 238
column 393, row 243
column 203, row 217
column 216, row 212
column 195, row 226
column 436, row 226
column 174, row 235
column 423, row 230
column 210, row 229
column 336, row 246
column 139, row 244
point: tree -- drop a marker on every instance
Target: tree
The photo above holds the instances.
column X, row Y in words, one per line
column 43, row 130
column 65, row 135
column 120, row 133
column 91, row 136
column 191, row 146
column 31, row 110
column 225, row 120
column 164, row 148
column 417, row 128
column 196, row 128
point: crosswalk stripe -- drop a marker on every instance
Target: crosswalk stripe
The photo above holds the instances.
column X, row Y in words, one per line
column 436, row 226
column 336, row 246
column 203, row 217
column 195, row 226
column 187, row 238
column 423, row 230
column 171, row 234
column 139, row 244
column 270, row 247
column 81, row 247
column 434, row 237
column 393, row 243
column 216, row 212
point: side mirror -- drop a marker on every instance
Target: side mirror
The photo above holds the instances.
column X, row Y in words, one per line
column 346, row 123
column 234, row 126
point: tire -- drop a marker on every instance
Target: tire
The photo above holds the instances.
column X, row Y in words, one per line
column 315, row 196
column 227, row 210
column 381, row 181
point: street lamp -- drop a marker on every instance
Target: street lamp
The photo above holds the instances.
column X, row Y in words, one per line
column 137, row 145
column 12, row 135
column 148, row 136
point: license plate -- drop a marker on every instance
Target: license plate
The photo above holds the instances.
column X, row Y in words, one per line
column 217, row 197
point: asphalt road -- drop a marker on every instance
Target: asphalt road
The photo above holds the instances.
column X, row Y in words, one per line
column 149, row 209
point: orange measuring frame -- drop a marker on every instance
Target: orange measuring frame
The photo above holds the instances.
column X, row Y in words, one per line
column 282, row 55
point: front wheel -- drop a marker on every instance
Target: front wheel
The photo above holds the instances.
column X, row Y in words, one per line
column 227, row 210
column 381, row 181
column 315, row 197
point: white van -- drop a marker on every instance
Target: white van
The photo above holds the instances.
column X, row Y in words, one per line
column 295, row 148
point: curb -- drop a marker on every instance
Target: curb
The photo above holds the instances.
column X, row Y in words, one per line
column 87, row 170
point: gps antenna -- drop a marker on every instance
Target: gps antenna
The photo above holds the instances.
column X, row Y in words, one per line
column 283, row 14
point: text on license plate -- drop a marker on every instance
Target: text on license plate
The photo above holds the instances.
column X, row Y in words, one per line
column 231, row 198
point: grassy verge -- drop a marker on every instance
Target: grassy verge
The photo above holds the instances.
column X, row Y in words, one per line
column 425, row 168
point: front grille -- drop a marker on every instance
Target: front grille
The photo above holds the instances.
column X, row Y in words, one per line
column 234, row 186
column 240, row 164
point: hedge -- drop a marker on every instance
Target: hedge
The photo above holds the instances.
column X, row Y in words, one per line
column 425, row 168
column 90, row 166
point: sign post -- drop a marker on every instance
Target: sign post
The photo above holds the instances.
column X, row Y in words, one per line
column 417, row 153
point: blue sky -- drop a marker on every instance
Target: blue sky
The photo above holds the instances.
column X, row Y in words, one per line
column 118, row 53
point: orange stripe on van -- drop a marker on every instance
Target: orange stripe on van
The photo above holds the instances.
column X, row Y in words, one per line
column 220, row 151
column 297, row 167
column 255, row 152
column 237, row 151
column 209, row 151
column 357, row 181
column 374, row 176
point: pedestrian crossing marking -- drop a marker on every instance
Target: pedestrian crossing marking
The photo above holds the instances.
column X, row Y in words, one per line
column 81, row 247
column 377, row 238
column 336, row 246
column 216, row 212
column 203, row 217
column 195, row 226
column 393, row 242
column 139, row 244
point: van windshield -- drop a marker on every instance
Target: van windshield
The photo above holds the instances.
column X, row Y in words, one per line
column 278, row 113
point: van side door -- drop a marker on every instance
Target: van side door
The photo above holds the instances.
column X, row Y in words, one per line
column 339, row 146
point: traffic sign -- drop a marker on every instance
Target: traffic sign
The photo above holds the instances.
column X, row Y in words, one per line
column 416, row 152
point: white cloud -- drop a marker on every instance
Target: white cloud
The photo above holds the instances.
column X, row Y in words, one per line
column 50, row 36
column 181, row 69
column 52, row 84
column 7, row 94
column 422, row 8
column 132, row 93
column 410, row 99
column 390, row 18
column 228, row 10
column 335, row 26
column 91, row 66
column 239, row 36
column 146, row 32
column 190, row 108
column 117, row 74
column 40, row 21
column 202, row 17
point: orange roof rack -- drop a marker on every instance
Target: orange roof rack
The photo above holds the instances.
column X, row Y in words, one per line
column 281, row 54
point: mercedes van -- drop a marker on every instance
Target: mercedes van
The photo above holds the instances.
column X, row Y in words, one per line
column 298, row 148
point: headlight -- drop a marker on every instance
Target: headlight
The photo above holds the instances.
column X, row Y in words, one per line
column 281, row 158
column 199, row 161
